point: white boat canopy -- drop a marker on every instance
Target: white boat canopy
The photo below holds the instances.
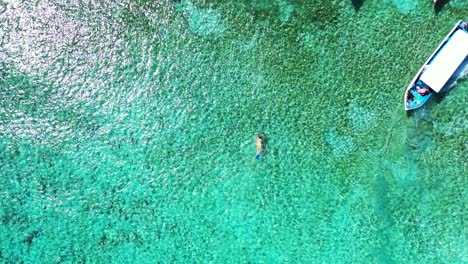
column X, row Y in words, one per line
column 446, row 61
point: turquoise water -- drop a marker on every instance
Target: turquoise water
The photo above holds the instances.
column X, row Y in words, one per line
column 127, row 133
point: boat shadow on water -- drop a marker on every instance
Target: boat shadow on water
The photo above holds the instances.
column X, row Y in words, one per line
column 439, row 4
column 357, row 4
column 459, row 76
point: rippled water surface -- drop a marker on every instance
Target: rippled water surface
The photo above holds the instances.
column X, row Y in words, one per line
column 127, row 133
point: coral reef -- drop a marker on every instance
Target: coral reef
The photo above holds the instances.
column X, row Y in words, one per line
column 360, row 118
column 341, row 144
column 286, row 10
column 460, row 4
column 403, row 6
column 202, row 22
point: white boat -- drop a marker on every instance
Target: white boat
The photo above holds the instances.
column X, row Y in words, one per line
column 450, row 57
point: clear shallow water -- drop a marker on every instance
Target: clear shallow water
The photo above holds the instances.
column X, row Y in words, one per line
column 126, row 132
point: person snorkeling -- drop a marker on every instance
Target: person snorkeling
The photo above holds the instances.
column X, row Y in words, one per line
column 259, row 140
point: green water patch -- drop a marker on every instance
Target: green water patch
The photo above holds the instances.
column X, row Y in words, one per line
column 134, row 141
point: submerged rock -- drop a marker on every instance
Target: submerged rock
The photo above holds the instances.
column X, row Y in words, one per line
column 202, row 22
column 286, row 9
column 403, row 6
column 360, row 118
column 341, row 145
column 405, row 170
